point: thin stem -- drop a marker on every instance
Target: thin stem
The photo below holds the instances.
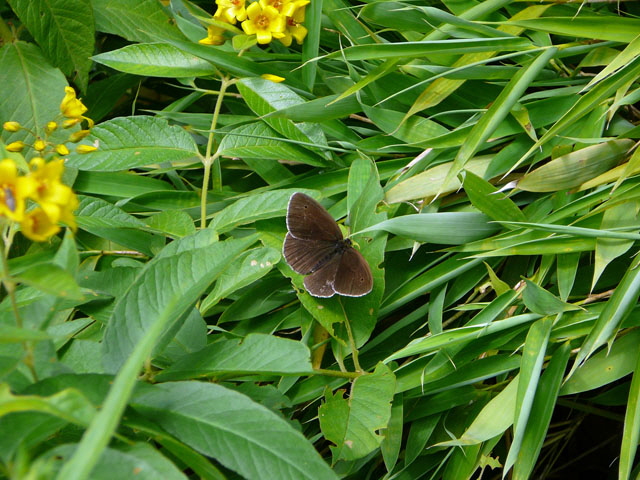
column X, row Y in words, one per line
column 210, row 158
column 337, row 373
column 352, row 341
column 10, row 286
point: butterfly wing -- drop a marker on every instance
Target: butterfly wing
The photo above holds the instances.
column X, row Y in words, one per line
column 308, row 220
column 320, row 283
column 353, row 276
column 304, row 256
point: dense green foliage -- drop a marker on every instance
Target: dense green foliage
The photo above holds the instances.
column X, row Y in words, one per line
column 481, row 154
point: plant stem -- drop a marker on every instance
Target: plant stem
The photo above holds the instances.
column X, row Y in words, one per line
column 210, row 158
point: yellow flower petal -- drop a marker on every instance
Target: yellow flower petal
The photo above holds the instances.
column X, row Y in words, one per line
column 37, row 226
column 263, row 36
column 273, row 78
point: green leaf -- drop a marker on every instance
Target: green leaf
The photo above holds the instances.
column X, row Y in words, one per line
column 23, row 64
column 69, row 405
column 138, row 141
column 257, row 354
column 221, row 423
column 10, row 334
column 382, row 51
column 155, row 60
column 138, row 459
column 264, row 97
column 575, row 168
column 541, row 301
column 174, row 223
column 64, row 29
column 448, row 228
column 352, row 424
column 486, row 198
column 246, row 269
column 51, row 279
column 606, row 27
column 258, row 140
column 135, row 20
column 166, row 287
column 631, row 431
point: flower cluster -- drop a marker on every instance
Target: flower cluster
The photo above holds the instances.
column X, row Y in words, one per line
column 266, row 19
column 37, row 200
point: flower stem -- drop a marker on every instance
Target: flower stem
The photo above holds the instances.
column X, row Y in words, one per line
column 210, row 158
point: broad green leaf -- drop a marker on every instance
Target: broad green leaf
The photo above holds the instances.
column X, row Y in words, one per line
column 257, row 354
column 51, row 279
column 251, row 208
column 265, row 97
column 352, row 424
column 166, row 287
column 260, row 141
column 64, row 30
column 221, row 423
column 181, row 273
column 11, row 334
column 541, row 301
column 101, row 218
column 173, row 223
column 23, row 64
column 575, row 168
column 139, row 460
column 117, row 184
column 448, row 228
column 428, row 183
column 245, row 269
column 606, row 366
column 69, row 405
column 618, row 216
column 155, row 60
column 486, row 198
column 135, row 20
column 138, row 141
column 495, row 417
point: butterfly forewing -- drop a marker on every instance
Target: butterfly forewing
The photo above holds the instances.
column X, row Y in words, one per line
column 308, row 220
column 305, row 256
column 353, row 276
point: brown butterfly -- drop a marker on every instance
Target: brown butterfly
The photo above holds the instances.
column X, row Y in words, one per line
column 314, row 246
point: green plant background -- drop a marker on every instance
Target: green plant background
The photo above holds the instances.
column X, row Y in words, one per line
column 483, row 155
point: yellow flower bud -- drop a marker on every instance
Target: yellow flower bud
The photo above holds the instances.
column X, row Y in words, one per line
column 75, row 137
column 51, row 127
column 36, row 162
column 39, row 145
column 11, row 126
column 273, row 78
column 85, row 148
column 71, row 122
column 62, row 149
column 15, row 146
column 71, row 107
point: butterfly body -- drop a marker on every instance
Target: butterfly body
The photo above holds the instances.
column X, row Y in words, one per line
column 314, row 246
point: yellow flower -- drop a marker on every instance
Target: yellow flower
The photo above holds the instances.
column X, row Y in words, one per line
column 72, row 108
column 50, row 193
column 11, row 126
column 230, row 10
column 14, row 190
column 214, row 36
column 294, row 28
column 86, row 148
column 285, row 7
column 70, row 122
column 15, row 146
column 62, row 149
column 51, row 127
column 266, row 23
column 273, row 78
column 39, row 145
column 37, row 226
column 75, row 137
